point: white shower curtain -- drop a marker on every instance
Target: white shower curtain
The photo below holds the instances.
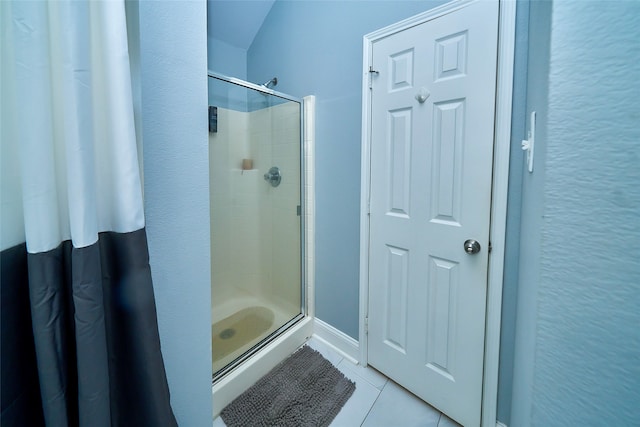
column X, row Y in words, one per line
column 68, row 82
column 75, row 122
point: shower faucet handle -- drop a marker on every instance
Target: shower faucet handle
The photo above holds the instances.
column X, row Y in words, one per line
column 273, row 176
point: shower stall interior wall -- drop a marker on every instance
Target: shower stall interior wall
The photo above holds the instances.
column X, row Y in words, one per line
column 256, row 226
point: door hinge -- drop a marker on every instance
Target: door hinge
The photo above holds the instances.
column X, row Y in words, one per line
column 366, row 325
column 369, row 207
column 372, row 72
column 490, row 247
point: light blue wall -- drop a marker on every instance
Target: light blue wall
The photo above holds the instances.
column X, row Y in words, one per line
column 531, row 217
column 315, row 48
column 173, row 40
column 226, row 59
column 514, row 202
column 230, row 61
column 578, row 340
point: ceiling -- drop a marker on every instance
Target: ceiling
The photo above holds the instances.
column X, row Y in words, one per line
column 236, row 22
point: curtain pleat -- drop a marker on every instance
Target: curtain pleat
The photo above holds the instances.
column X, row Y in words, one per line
column 75, row 121
column 90, row 335
column 140, row 393
column 52, row 313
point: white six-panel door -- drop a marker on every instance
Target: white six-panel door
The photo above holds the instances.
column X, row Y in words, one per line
column 432, row 131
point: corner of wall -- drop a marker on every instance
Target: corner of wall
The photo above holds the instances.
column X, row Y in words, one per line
column 531, row 218
column 173, row 76
column 514, row 204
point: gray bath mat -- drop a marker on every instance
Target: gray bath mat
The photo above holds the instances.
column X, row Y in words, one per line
column 304, row 390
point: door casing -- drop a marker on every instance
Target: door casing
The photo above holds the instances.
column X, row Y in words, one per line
column 502, row 138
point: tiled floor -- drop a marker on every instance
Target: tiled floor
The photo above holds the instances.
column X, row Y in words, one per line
column 377, row 401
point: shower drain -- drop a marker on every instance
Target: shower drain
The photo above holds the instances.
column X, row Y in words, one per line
column 227, row 333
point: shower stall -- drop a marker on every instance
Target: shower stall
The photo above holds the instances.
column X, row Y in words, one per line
column 258, row 212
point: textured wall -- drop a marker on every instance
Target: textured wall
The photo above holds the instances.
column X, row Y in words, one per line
column 174, row 117
column 315, row 48
column 578, row 356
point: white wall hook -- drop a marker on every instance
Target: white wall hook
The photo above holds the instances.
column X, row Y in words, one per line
column 528, row 144
column 422, row 95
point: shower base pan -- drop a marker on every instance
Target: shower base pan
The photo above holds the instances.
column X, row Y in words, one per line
column 233, row 335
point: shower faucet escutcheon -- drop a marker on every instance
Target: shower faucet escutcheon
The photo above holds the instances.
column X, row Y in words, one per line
column 273, row 176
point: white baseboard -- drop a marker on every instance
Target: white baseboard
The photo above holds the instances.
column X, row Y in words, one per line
column 343, row 343
column 499, row 424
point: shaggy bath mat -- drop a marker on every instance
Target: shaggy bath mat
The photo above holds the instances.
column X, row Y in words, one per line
column 304, row 390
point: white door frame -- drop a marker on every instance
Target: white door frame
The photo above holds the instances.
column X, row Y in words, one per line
column 502, row 138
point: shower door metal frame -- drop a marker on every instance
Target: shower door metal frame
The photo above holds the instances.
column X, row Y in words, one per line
column 303, row 274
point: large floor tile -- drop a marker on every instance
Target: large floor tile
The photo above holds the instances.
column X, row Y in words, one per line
column 372, row 376
column 447, row 422
column 397, row 407
column 354, row 412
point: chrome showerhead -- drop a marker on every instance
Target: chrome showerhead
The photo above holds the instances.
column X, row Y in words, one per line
column 271, row 83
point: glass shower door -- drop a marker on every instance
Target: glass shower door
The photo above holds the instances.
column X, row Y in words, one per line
column 256, row 222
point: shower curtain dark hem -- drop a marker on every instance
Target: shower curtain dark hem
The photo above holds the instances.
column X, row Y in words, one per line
column 96, row 336
column 19, row 390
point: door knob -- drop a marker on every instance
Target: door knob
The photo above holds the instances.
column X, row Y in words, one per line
column 471, row 247
column 422, row 95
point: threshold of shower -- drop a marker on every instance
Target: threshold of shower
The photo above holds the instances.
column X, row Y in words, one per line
column 217, row 376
